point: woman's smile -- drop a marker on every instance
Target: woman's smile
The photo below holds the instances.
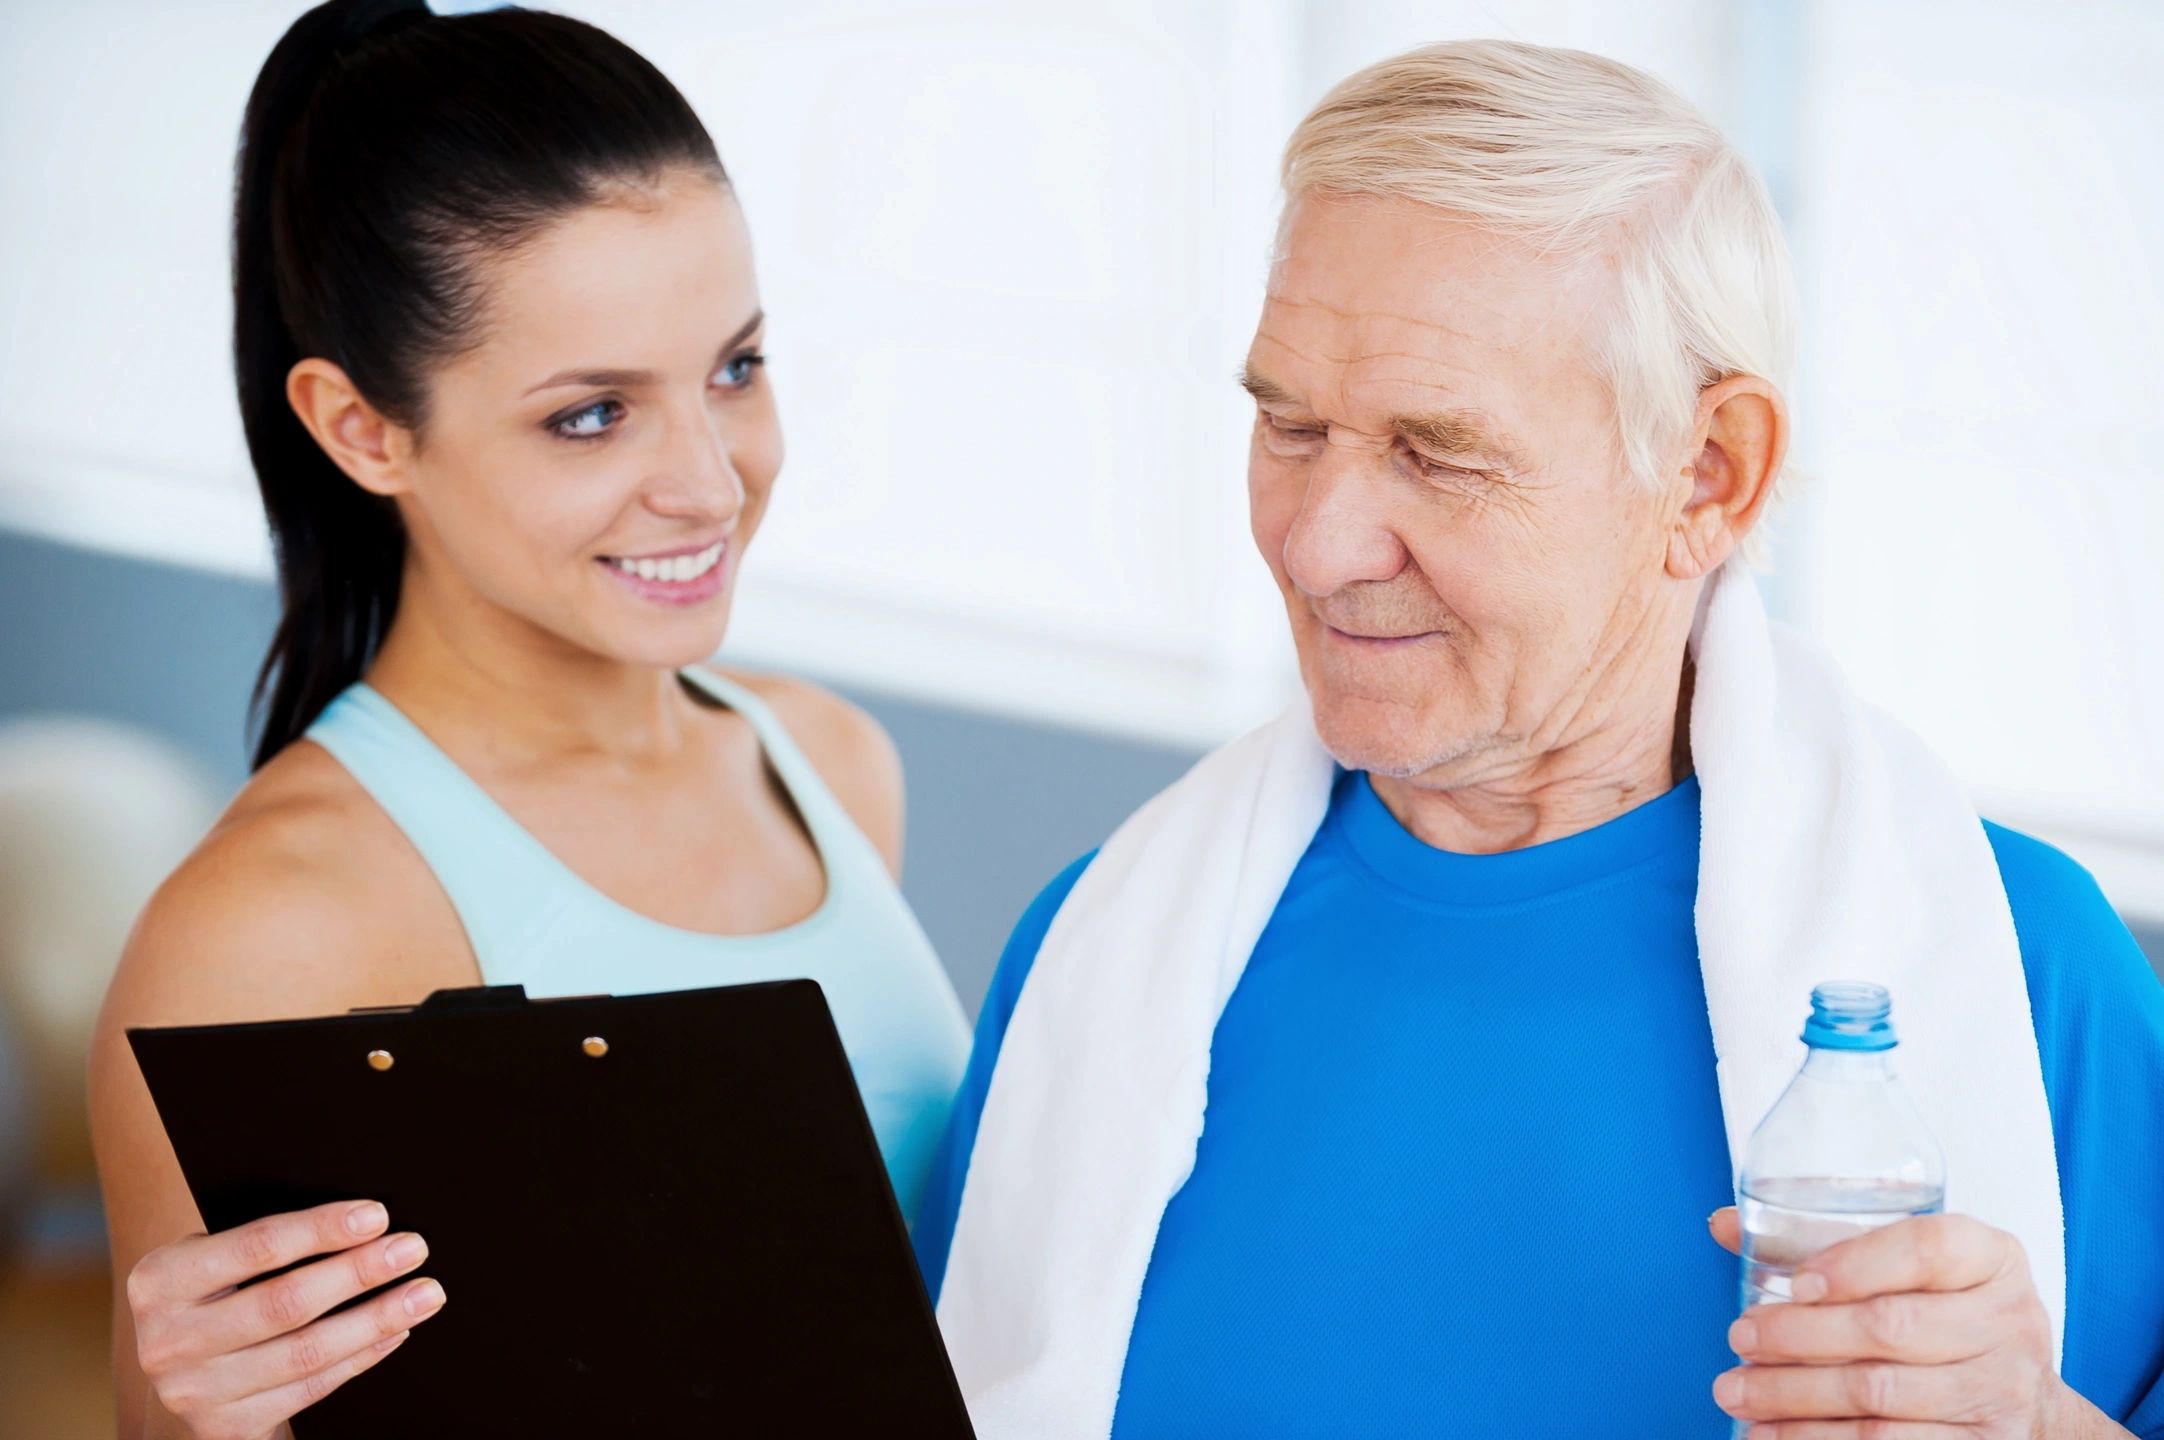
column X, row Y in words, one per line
column 684, row 576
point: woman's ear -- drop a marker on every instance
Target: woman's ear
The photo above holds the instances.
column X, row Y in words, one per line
column 359, row 440
column 1739, row 440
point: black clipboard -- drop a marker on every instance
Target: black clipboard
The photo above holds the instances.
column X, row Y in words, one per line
column 689, row 1233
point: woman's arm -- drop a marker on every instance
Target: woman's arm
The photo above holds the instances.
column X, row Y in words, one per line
column 267, row 919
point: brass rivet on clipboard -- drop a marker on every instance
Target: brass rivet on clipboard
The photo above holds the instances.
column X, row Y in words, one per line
column 595, row 1046
column 381, row 1060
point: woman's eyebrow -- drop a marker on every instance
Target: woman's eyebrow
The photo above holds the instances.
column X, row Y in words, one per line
column 626, row 379
column 595, row 380
column 743, row 333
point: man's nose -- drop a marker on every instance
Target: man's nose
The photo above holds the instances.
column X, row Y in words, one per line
column 1342, row 534
column 698, row 478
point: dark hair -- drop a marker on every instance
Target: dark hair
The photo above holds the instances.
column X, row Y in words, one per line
column 385, row 152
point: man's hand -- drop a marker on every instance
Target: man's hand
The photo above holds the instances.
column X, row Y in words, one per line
column 1927, row 1329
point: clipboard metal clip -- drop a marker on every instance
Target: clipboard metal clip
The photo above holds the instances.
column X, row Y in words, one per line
column 464, row 998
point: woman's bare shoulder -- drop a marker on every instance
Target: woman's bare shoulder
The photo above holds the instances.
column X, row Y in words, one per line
column 851, row 751
column 303, row 898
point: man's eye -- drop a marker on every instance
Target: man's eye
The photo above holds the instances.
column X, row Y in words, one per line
column 1443, row 469
column 589, row 423
column 1289, row 431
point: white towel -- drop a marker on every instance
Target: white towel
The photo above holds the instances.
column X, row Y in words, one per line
column 1834, row 846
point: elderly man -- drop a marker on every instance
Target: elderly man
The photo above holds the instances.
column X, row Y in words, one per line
column 1485, row 959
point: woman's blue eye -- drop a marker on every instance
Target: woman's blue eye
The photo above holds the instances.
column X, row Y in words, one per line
column 590, row 423
column 738, row 372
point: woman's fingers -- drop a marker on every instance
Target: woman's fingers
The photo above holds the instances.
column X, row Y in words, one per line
column 262, row 1414
column 202, row 1265
column 1917, row 1329
column 301, row 1394
column 232, row 1358
column 282, row 1305
column 320, row 1356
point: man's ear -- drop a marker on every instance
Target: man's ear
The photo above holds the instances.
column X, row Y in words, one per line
column 1738, row 441
column 359, row 440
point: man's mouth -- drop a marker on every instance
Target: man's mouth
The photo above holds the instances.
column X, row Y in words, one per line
column 1375, row 641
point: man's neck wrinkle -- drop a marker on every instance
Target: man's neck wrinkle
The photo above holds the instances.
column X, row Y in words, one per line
column 1561, row 793
column 1485, row 824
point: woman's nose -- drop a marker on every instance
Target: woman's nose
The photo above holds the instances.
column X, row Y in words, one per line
column 699, row 478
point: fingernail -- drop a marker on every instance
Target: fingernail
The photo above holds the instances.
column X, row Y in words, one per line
column 424, row 1298
column 391, row 1342
column 1808, row 1286
column 1743, row 1336
column 367, row 1218
column 1728, row 1390
column 406, row 1252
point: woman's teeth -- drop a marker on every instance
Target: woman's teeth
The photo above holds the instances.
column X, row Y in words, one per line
column 675, row 569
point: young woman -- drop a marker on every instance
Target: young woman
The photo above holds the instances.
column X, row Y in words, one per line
column 498, row 340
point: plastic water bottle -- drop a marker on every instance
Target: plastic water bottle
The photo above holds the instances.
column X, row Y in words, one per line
column 1842, row 1152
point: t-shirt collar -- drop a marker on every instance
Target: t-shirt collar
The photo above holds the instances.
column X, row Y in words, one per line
column 1665, row 826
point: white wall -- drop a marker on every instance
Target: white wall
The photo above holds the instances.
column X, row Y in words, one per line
column 1013, row 253
column 1983, row 544
column 1012, row 249
column 117, row 129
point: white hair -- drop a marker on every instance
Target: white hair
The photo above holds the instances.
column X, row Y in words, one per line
column 1587, row 159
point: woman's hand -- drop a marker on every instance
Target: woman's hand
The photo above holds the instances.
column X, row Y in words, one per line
column 235, row 1364
column 1926, row 1329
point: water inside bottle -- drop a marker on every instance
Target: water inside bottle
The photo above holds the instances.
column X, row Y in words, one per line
column 1787, row 1221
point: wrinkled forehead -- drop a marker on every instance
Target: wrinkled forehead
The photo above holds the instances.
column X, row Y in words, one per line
column 1372, row 300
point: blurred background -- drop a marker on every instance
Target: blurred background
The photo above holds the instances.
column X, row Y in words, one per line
column 1013, row 252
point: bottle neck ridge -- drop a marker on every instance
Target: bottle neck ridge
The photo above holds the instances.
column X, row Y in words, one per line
column 1823, row 1063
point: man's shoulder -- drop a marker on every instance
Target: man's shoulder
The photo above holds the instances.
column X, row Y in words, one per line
column 933, row 1229
column 2097, row 1004
column 2099, row 1014
column 1027, row 938
column 2074, row 945
column 1053, row 895
column 2038, row 875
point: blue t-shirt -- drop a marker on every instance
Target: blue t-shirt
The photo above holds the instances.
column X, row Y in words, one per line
column 1463, row 1137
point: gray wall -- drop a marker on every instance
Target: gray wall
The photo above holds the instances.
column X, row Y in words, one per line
column 996, row 807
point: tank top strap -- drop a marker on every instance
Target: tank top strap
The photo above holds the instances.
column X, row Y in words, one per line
column 833, row 830
column 503, row 883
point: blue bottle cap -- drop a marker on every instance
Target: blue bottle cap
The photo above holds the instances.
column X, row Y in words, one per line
column 1849, row 1015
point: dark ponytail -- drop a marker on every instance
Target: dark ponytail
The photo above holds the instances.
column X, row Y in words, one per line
column 385, row 155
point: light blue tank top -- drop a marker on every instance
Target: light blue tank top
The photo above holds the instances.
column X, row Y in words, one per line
column 532, row 921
